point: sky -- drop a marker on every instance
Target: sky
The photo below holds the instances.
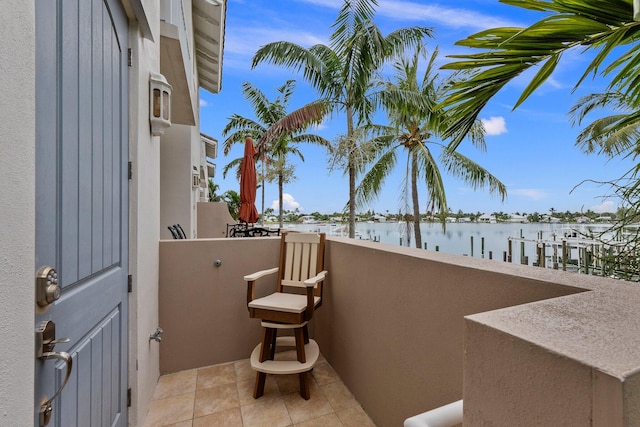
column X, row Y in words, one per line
column 530, row 149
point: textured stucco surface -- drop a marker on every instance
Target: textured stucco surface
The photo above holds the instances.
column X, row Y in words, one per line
column 594, row 335
column 17, row 211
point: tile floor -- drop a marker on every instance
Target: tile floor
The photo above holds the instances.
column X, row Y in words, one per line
column 222, row 395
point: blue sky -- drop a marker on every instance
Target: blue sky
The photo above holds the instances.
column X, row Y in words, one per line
column 531, row 150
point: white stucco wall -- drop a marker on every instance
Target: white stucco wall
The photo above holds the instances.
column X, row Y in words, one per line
column 17, row 211
column 177, row 200
column 144, row 224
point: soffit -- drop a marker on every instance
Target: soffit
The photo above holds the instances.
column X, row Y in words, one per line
column 208, row 33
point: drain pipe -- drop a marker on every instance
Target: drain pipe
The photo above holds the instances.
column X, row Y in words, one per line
column 445, row 416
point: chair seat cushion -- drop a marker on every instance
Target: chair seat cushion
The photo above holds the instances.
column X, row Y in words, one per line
column 290, row 303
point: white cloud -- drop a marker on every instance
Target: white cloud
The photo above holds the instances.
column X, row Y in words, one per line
column 203, row 103
column 494, row 125
column 607, row 206
column 531, row 193
column 452, row 17
column 288, row 203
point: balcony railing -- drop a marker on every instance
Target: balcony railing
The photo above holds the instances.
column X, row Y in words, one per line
column 409, row 330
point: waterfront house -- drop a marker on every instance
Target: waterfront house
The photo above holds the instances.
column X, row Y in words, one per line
column 486, row 218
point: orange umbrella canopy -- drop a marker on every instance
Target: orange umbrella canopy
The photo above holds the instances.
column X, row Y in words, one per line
column 248, row 185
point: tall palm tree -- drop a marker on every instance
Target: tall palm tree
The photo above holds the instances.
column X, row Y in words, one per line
column 342, row 72
column 413, row 130
column 283, row 141
column 604, row 26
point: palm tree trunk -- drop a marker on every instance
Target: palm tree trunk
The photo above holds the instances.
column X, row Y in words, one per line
column 352, row 175
column 262, row 211
column 280, row 216
column 416, row 204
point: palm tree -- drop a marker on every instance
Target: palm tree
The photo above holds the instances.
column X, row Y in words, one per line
column 605, row 26
column 412, row 131
column 282, row 142
column 342, row 72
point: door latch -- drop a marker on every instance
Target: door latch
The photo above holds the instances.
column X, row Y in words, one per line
column 45, row 342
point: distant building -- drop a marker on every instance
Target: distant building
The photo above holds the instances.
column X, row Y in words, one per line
column 517, row 218
column 488, row 219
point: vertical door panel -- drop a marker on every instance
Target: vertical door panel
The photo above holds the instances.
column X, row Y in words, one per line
column 82, row 205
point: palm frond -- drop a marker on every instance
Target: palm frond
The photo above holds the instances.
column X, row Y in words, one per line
column 296, row 121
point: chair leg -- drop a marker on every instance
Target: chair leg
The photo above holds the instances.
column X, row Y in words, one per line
column 299, row 334
column 306, row 334
column 268, row 347
column 304, row 385
column 258, row 389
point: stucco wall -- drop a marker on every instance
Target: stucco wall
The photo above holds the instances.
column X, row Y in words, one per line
column 175, row 181
column 203, row 308
column 392, row 322
column 213, row 218
column 570, row 361
column 17, row 211
column 144, row 220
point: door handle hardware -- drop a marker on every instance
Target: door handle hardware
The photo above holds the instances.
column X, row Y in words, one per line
column 46, row 408
column 47, row 287
column 46, row 338
column 45, row 342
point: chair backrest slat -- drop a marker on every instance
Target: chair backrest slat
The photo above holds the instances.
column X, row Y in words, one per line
column 301, row 258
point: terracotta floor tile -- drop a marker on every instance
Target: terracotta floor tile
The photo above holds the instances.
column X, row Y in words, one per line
column 164, row 412
column 222, row 395
column 245, row 390
column 175, row 384
column 338, row 395
column 329, row 420
column 215, row 399
column 324, row 373
column 244, row 370
column 303, row 410
column 266, row 413
column 216, row 375
column 355, row 417
column 229, row 418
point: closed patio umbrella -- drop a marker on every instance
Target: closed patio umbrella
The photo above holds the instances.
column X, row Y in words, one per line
column 248, row 185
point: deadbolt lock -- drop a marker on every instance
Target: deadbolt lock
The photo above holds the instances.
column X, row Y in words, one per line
column 47, row 288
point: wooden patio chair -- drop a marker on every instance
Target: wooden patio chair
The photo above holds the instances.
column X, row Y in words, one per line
column 298, row 294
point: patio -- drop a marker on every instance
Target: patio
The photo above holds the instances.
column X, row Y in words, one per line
column 406, row 330
column 221, row 395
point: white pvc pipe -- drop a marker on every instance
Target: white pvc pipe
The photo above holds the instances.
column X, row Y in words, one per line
column 444, row 416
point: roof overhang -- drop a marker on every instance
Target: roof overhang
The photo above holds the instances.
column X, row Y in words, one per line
column 208, row 32
column 210, row 146
column 172, row 67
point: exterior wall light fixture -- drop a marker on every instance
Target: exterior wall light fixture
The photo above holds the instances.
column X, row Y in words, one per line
column 159, row 104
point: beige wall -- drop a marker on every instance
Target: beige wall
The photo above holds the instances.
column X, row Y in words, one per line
column 392, row 323
column 568, row 361
column 203, row 308
column 17, row 211
column 213, row 218
column 176, row 198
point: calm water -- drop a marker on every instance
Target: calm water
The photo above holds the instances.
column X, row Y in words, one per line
column 457, row 238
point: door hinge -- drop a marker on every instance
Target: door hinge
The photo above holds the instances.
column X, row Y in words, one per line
column 130, row 172
column 129, row 397
column 129, row 57
column 130, row 283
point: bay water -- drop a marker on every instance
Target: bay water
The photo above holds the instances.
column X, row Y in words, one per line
column 472, row 239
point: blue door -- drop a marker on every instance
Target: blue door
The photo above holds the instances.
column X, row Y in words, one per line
column 81, row 213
